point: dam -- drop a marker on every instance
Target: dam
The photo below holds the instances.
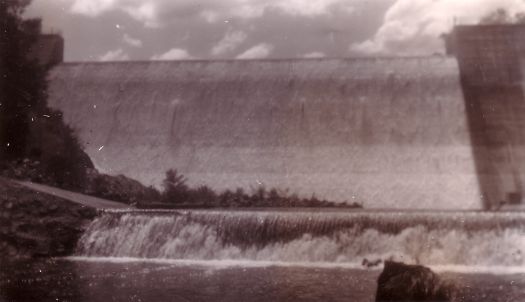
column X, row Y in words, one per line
column 418, row 132
column 436, row 137
column 309, row 237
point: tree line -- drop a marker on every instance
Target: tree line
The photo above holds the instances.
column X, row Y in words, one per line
column 176, row 193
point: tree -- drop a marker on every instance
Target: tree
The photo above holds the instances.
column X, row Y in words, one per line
column 175, row 188
column 22, row 81
column 28, row 127
column 499, row 16
column 502, row 16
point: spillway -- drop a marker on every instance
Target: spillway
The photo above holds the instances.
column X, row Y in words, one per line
column 447, row 239
column 386, row 132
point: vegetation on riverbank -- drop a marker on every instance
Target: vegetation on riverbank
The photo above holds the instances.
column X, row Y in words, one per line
column 177, row 193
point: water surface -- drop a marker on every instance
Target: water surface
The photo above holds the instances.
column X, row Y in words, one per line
column 76, row 280
column 274, row 255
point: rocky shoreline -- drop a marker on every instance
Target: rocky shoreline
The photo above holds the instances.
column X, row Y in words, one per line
column 34, row 224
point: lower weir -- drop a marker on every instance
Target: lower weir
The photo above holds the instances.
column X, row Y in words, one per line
column 386, row 132
column 453, row 239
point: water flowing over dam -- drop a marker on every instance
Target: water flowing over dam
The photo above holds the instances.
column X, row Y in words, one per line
column 461, row 239
column 386, row 132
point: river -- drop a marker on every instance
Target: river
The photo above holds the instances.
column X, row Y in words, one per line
column 269, row 255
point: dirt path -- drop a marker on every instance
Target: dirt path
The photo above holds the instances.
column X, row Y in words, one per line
column 82, row 199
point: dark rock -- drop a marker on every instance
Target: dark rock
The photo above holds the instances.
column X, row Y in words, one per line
column 371, row 263
column 402, row 282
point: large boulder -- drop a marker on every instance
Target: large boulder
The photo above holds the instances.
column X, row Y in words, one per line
column 402, row 282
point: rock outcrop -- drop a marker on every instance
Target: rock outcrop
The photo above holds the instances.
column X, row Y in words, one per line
column 402, row 282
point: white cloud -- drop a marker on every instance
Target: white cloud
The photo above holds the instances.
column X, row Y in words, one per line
column 114, row 55
column 144, row 11
column 307, row 7
column 259, row 51
column 229, row 42
column 154, row 13
column 315, row 54
column 92, row 8
column 132, row 41
column 413, row 27
column 247, row 9
column 174, row 54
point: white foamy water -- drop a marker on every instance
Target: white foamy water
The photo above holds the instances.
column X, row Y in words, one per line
column 226, row 264
column 447, row 241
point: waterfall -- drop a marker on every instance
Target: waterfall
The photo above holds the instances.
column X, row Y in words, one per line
column 338, row 237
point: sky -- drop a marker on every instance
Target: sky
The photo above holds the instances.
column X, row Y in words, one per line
column 112, row 30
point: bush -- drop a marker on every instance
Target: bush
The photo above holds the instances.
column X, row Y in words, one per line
column 54, row 145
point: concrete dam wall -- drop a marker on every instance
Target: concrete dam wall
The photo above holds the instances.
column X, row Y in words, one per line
column 491, row 65
column 387, row 132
